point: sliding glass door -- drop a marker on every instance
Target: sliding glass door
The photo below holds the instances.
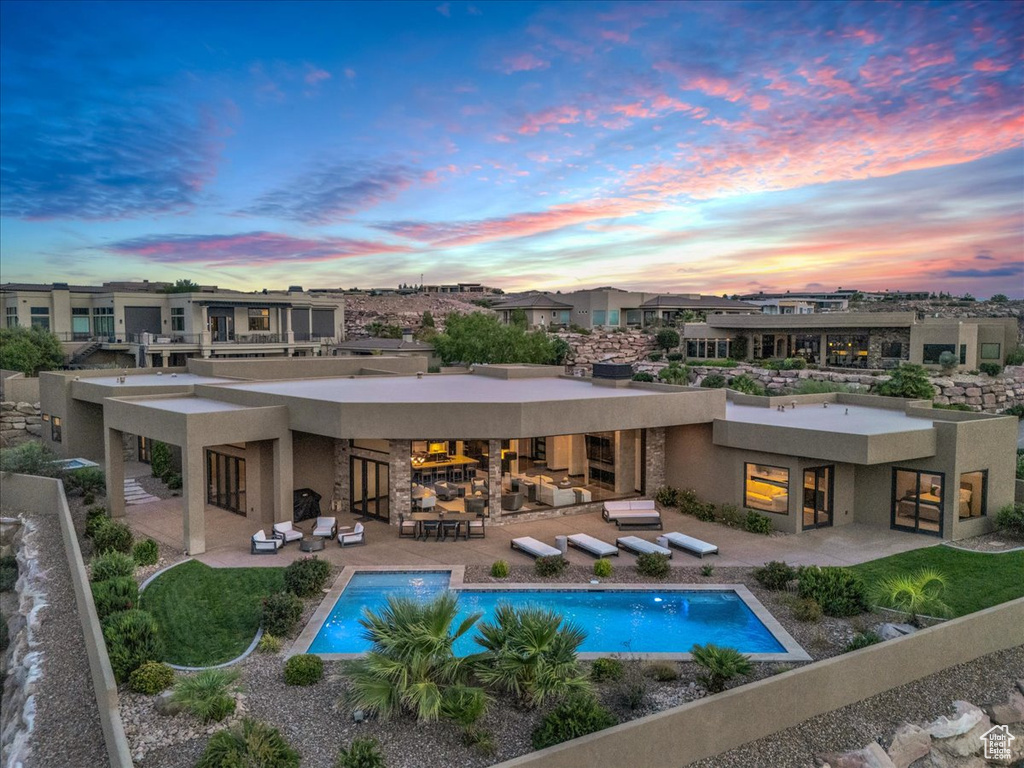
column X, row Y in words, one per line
column 818, row 485
column 917, row 500
column 225, row 482
column 370, row 487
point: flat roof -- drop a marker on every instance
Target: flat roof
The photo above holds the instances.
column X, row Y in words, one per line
column 458, row 388
column 156, row 380
column 838, row 418
column 191, row 405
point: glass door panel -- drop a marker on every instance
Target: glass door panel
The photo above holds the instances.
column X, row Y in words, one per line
column 818, row 492
column 369, row 480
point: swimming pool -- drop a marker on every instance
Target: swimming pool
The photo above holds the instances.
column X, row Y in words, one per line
column 621, row 619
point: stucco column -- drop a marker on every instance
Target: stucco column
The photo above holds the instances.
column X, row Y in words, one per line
column 283, row 479
column 399, row 479
column 113, row 445
column 494, row 479
column 625, row 461
column 193, row 493
column 165, row 360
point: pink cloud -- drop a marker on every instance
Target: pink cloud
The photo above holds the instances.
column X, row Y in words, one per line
column 549, row 118
column 825, row 77
column 524, row 62
column 315, row 75
column 988, row 65
column 615, row 36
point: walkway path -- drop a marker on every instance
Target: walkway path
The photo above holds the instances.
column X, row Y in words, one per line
column 135, row 494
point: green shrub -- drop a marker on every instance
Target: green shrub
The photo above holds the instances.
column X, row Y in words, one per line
column 815, row 387
column 269, row 644
column 719, row 665
column 992, row 369
column 730, row 515
column 642, row 376
column 631, row 690
column 713, row 381
column 675, row 373
column 913, row 594
column 662, row 671
column 667, row 338
column 111, row 565
column 151, row 678
column 114, row 595
column 8, row 578
column 794, row 364
column 655, row 357
column 87, row 480
column 281, row 612
column 862, row 640
column 304, row 669
column 307, row 576
column 146, row 552
column 652, row 564
column 746, row 385
column 837, row 590
column 952, row 406
column 361, row 753
column 132, row 640
column 806, row 609
column 667, row 496
column 909, row 381
column 550, row 565
column 1015, row 356
column 480, row 739
column 575, row 717
column 499, row 569
column 9, row 561
column 603, row 568
column 248, row 744
column 1011, row 519
column 88, row 498
column 723, row 362
column 707, row 570
column 174, row 481
column 31, row 458
column 1017, row 409
column 1020, row 464
column 606, row 668
column 207, row 694
column 757, row 523
column 160, row 459
column 689, row 503
column 774, row 575
column 113, row 537
column 705, row 512
column 674, row 357
column 94, row 518
column 5, row 634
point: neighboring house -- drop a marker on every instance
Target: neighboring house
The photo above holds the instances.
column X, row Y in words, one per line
column 674, row 308
column 526, row 442
column 861, row 340
column 785, row 306
column 819, row 301
column 140, row 325
column 541, row 310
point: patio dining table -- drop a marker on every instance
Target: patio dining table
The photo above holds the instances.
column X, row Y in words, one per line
column 457, row 520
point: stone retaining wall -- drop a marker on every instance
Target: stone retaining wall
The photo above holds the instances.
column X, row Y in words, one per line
column 19, row 419
column 631, row 346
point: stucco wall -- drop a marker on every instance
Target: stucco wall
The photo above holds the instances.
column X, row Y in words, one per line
column 313, row 465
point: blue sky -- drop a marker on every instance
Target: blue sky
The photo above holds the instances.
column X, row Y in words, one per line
column 668, row 146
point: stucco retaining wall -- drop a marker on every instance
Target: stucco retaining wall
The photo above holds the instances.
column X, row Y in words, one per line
column 716, row 724
column 45, row 497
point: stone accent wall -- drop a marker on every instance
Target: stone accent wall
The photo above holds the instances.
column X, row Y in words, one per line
column 18, row 421
column 654, row 461
column 494, row 480
column 400, row 479
column 340, row 499
column 878, row 338
column 630, row 346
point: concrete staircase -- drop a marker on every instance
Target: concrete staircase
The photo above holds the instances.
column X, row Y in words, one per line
column 135, row 494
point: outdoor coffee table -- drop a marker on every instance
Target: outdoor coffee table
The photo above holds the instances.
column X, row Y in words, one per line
column 311, row 544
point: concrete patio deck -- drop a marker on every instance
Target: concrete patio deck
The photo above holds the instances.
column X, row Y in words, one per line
column 228, row 537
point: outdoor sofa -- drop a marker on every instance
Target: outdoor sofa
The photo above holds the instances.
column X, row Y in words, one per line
column 638, row 513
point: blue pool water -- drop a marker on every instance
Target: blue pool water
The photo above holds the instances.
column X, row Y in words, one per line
column 633, row 621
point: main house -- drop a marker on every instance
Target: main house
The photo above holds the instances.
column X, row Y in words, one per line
column 378, row 437
column 143, row 325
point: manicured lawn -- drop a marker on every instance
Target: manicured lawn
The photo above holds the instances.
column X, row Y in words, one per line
column 974, row 580
column 209, row 615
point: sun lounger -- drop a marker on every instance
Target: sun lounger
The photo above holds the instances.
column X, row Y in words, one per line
column 688, row 544
column 530, row 546
column 639, row 546
column 592, row 546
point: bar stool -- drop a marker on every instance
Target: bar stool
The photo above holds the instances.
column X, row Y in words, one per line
column 458, row 474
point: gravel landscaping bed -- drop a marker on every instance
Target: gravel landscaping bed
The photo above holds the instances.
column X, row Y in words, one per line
column 67, row 725
column 983, row 680
column 996, row 541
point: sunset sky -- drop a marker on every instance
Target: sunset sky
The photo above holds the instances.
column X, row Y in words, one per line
column 714, row 147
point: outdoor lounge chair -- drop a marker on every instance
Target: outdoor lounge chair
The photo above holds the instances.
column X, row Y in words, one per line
column 262, row 545
column 530, row 546
column 326, row 527
column 639, row 546
column 350, row 537
column 687, row 544
column 592, row 546
column 286, row 532
column 476, row 504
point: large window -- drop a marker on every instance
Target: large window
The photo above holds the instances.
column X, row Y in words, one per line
column 990, row 351
column 103, row 321
column 917, row 497
column 932, row 352
column 709, row 348
column 613, row 317
column 56, row 433
column 177, row 318
column 259, row 319
column 40, row 317
column 12, row 317
column 225, row 481
column 973, row 494
column 80, row 323
column 848, row 350
column 601, row 459
column 599, row 316
column 766, row 488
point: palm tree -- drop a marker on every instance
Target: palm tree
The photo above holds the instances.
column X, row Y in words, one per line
column 720, row 665
column 913, row 594
column 412, row 666
column 531, row 654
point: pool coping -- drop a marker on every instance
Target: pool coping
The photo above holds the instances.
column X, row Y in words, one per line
column 792, row 650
